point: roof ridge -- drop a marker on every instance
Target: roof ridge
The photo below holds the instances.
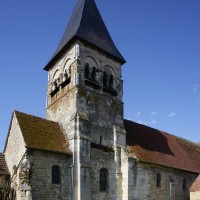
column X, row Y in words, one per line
column 147, row 126
column 192, row 142
column 178, row 137
column 31, row 115
column 62, row 41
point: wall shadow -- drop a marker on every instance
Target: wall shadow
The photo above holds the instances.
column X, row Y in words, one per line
column 147, row 138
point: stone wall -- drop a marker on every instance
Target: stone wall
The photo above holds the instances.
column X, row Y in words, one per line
column 15, row 147
column 14, row 154
column 102, row 109
column 101, row 159
column 194, row 195
column 143, row 182
column 41, row 177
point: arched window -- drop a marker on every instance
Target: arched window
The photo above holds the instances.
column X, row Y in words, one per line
column 104, row 79
column 55, row 84
column 184, row 184
column 87, row 70
column 66, row 74
column 93, row 73
column 55, row 172
column 158, row 180
column 103, row 180
column 111, row 80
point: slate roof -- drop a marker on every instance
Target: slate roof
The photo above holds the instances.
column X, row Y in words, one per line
column 42, row 134
column 195, row 187
column 3, row 166
column 87, row 25
column 157, row 147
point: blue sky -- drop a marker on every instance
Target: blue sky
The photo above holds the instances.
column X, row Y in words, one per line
column 160, row 40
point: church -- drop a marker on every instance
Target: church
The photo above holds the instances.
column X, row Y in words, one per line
column 84, row 149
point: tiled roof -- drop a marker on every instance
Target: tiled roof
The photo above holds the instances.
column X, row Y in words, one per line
column 42, row 134
column 196, row 185
column 3, row 166
column 192, row 149
column 87, row 25
column 157, row 147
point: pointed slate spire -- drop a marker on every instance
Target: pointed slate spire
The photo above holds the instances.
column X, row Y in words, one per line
column 87, row 25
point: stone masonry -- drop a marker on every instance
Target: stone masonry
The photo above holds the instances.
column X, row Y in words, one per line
column 82, row 151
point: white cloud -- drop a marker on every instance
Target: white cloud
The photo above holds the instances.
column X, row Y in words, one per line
column 138, row 114
column 196, row 88
column 153, row 113
column 153, row 121
column 196, row 91
column 172, row 114
column 141, row 122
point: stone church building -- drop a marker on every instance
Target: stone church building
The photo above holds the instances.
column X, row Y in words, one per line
column 84, row 149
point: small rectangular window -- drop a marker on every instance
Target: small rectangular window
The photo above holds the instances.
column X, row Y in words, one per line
column 158, row 180
column 184, row 184
column 55, row 174
column 103, row 180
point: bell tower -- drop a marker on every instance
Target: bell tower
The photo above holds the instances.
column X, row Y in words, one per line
column 85, row 96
